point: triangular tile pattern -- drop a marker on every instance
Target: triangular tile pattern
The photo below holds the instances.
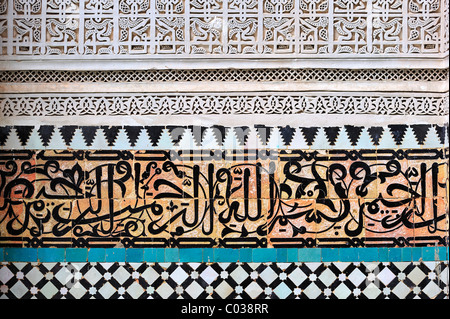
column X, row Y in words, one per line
column 307, row 280
column 168, row 137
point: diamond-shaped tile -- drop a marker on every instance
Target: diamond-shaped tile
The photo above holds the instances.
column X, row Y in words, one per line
column 5, row 274
column 342, row 291
column 194, row 289
column 312, row 291
column 93, row 276
column 34, row 275
column 327, row 277
column 431, row 290
column 385, row 276
column 49, row 290
column 64, row 275
column 164, row 290
column 239, row 274
column 209, row 275
column 19, row 289
column 282, row 291
column 223, row 289
column 150, row 275
column 268, row 275
column 107, row 290
column 371, row 291
column 416, row 276
column 356, row 277
column 135, row 290
column 179, row 275
column 297, row 276
column 121, row 275
column 77, row 291
column 253, row 290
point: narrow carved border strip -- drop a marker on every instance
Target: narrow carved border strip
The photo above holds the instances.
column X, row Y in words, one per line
column 217, row 103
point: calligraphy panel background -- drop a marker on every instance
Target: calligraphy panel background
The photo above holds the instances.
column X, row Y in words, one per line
column 224, row 198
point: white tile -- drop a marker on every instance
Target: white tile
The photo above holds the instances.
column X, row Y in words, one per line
column 19, row 289
column 416, row 276
column 312, row 291
column 342, row 291
column 268, row 275
column 371, row 291
column 34, row 275
column 194, row 289
column 431, row 290
column 327, row 277
column 253, row 290
column 5, row 274
column 107, row 290
column 164, row 290
column 282, row 290
column 223, row 289
column 121, row 275
column 385, row 276
column 297, row 276
column 179, row 275
column 209, row 275
column 49, row 290
column 93, row 276
column 239, row 275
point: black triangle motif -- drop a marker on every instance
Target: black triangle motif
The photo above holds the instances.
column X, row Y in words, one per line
column 263, row 132
column 24, row 133
column 111, row 133
column 67, row 133
column 309, row 134
column 154, row 132
column 398, row 132
column 45, row 132
column 133, row 133
column 4, row 133
column 375, row 133
column 332, row 134
column 88, row 133
column 440, row 130
column 219, row 132
column 353, row 133
column 420, row 132
column 287, row 133
column 176, row 133
column 241, row 133
column 198, row 132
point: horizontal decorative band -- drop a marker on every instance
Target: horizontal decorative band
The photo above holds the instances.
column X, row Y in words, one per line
column 217, row 103
column 333, row 280
column 173, row 137
column 225, row 75
column 213, row 255
column 286, row 198
column 234, row 29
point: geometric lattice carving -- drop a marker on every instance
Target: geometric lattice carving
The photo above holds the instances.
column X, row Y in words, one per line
column 220, row 103
column 232, row 28
column 225, row 75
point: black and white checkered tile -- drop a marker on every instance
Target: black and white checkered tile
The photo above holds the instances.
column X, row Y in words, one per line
column 333, row 280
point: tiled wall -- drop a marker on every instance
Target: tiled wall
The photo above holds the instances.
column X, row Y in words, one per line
column 254, row 198
column 304, row 157
column 250, row 280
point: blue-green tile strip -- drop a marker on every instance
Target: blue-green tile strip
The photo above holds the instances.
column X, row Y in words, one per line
column 137, row 255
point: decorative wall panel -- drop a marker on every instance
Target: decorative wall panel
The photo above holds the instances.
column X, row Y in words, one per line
column 217, row 149
column 328, row 280
column 224, row 199
column 232, row 28
column 217, row 103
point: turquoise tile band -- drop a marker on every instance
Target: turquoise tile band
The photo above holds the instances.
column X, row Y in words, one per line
column 367, row 254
